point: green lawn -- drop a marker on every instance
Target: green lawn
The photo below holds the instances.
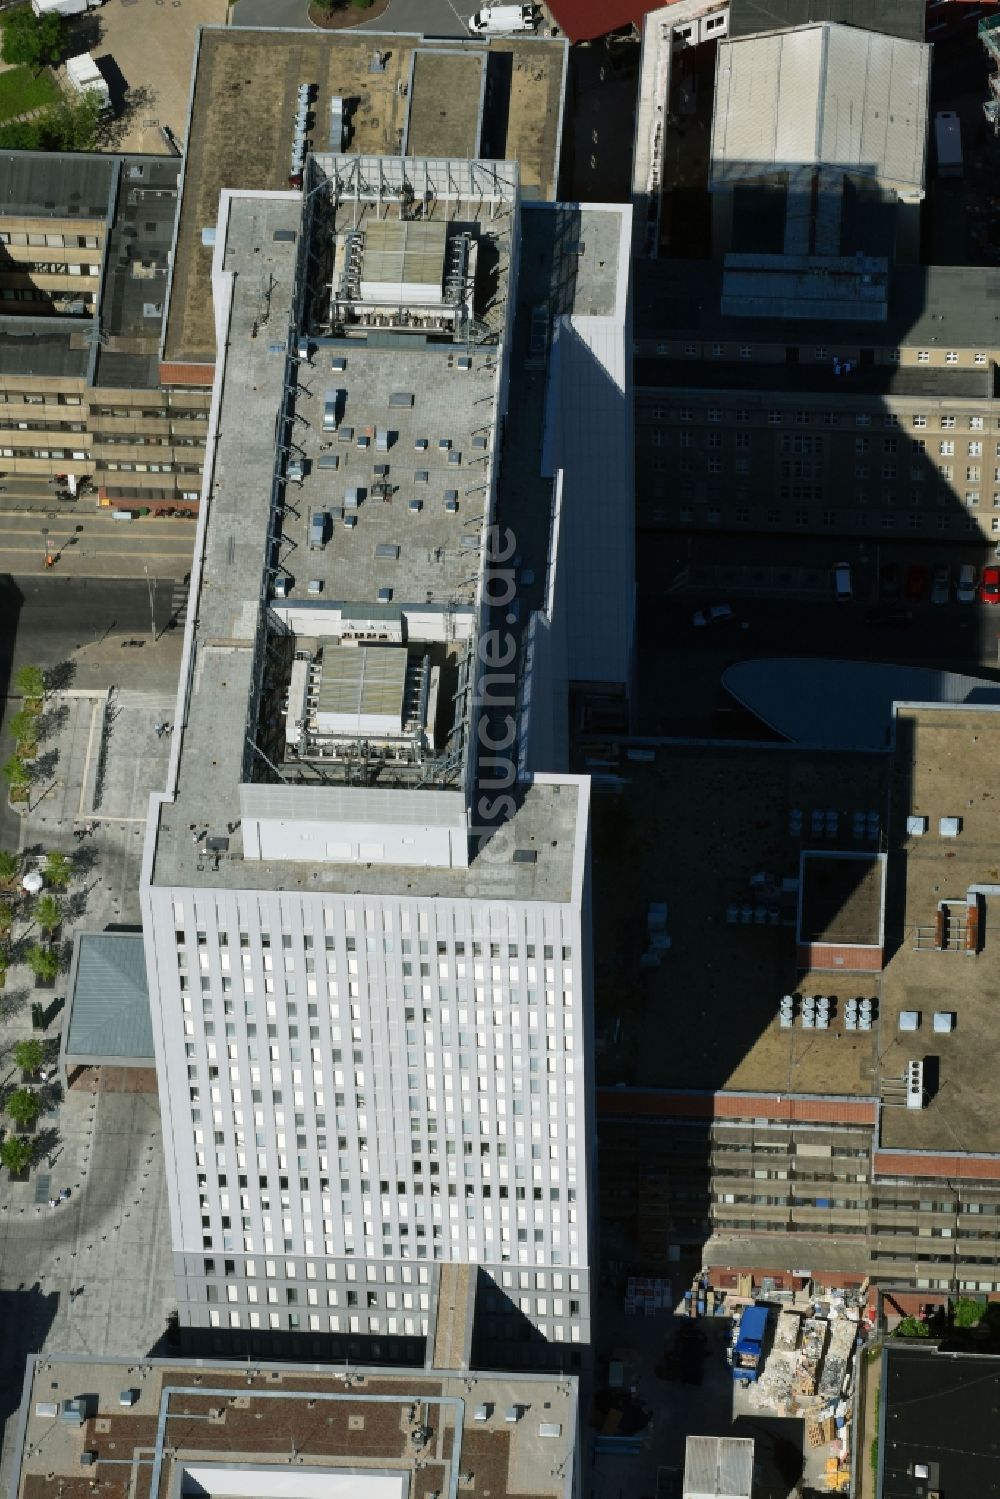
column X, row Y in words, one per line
column 21, row 90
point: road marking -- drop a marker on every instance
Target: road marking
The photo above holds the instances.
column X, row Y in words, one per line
column 90, row 752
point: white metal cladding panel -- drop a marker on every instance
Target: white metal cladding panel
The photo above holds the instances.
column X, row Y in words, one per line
column 352, row 804
column 796, row 86
column 718, row 1468
column 822, row 94
column 874, row 104
column 228, row 990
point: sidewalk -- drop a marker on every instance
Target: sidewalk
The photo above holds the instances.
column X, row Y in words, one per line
column 109, row 1242
column 865, row 1486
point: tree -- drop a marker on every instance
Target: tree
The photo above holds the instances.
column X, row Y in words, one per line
column 16, row 772
column 24, row 1107
column 24, row 726
column 30, row 680
column 29, row 1055
column 15, row 1153
column 911, row 1327
column 9, row 866
column 47, row 913
column 968, row 1313
column 32, row 40
column 43, row 962
column 72, row 125
column 58, row 869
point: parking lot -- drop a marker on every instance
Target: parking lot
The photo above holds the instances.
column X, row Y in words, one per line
column 145, row 49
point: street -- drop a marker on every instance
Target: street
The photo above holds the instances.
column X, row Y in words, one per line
column 86, row 542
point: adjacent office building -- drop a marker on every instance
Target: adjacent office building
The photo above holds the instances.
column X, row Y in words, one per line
column 366, row 891
column 806, row 364
column 84, row 252
column 819, row 1109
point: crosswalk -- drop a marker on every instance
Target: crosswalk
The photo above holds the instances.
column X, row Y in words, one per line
column 179, row 600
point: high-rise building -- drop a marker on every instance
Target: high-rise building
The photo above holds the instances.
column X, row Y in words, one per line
column 366, row 890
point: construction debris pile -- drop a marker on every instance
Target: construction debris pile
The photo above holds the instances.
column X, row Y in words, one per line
column 808, row 1373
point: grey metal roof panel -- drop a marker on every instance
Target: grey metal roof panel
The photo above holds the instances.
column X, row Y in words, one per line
column 49, row 185
column 876, row 380
column 902, row 18
column 952, row 307
column 109, row 1005
column 56, row 348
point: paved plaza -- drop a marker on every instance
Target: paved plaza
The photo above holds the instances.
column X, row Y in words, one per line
column 92, row 1275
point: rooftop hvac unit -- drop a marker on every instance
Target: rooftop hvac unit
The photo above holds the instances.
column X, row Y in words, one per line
column 944, row 1022
column 914, row 1085
column 949, row 827
column 916, row 826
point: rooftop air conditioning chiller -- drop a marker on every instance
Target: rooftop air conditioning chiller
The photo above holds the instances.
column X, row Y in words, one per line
column 914, row 1085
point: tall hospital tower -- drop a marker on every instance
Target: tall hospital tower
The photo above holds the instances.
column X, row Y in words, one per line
column 366, row 889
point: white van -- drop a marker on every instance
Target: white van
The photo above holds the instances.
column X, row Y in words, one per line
column 491, row 20
column 842, row 582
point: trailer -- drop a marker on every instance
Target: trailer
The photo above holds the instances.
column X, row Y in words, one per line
column 948, row 143
column 748, row 1349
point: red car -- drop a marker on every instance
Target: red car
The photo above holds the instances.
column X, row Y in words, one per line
column 917, row 581
column 989, row 587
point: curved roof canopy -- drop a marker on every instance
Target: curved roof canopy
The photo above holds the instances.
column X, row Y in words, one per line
column 844, row 705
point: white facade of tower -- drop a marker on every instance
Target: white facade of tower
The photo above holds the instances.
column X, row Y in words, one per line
column 373, row 1081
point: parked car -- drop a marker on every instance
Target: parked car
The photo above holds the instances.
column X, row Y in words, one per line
column 888, row 617
column 888, row 582
column 940, row 586
column 989, row 586
column 842, row 582
column 968, row 578
column 715, row 614
column 917, row 581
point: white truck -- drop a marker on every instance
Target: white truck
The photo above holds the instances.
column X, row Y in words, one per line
column 86, row 77
column 63, row 7
column 494, row 20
